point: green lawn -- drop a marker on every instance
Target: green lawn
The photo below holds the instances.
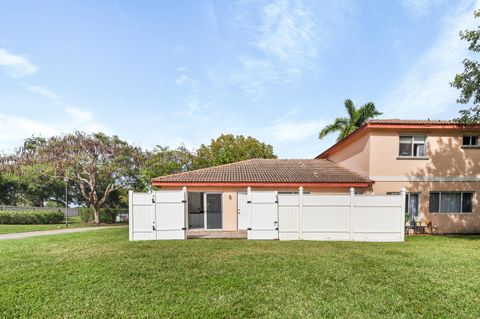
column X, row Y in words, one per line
column 101, row 275
column 73, row 222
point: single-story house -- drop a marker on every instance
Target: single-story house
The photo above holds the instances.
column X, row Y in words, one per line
column 214, row 193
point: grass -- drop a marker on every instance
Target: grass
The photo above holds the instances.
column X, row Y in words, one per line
column 73, row 222
column 100, row 274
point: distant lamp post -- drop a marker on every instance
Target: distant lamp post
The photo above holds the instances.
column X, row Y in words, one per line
column 66, row 202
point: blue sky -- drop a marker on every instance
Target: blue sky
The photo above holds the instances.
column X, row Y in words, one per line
column 171, row 72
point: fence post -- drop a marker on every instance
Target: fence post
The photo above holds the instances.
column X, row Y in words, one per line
column 350, row 224
column 300, row 213
column 403, row 194
column 249, row 205
column 185, row 210
column 130, row 215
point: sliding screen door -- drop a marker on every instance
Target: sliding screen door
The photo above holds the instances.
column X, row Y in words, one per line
column 214, row 211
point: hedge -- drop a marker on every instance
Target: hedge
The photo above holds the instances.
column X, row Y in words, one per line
column 31, row 217
column 107, row 215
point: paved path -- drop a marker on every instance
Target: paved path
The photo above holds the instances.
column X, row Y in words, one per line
column 217, row 234
column 51, row 232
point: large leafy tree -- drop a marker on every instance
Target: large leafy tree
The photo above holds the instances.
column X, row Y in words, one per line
column 356, row 118
column 228, row 148
column 165, row 161
column 97, row 164
column 468, row 82
column 30, row 185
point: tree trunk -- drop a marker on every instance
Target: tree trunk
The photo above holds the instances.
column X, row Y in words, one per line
column 96, row 215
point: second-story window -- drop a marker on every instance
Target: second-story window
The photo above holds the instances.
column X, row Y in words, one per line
column 470, row 140
column 412, row 146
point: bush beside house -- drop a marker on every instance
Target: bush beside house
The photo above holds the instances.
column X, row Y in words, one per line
column 107, row 215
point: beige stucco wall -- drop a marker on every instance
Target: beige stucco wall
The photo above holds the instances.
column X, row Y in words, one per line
column 356, row 156
column 447, row 162
column 445, row 223
column 446, row 157
column 230, row 210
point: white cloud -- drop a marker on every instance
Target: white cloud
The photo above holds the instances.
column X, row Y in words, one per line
column 420, row 8
column 192, row 105
column 15, row 129
column 181, row 79
column 182, row 69
column 15, row 66
column 285, row 39
column 120, row 12
column 79, row 115
column 84, row 120
column 41, row 90
column 294, row 131
column 287, row 32
column 425, row 91
column 285, row 42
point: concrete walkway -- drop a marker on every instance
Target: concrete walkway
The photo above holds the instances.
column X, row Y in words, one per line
column 51, row 232
column 217, row 234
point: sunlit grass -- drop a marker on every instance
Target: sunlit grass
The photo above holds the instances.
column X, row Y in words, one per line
column 100, row 274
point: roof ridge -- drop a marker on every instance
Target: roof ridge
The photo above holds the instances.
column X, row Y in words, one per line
column 269, row 171
column 204, row 169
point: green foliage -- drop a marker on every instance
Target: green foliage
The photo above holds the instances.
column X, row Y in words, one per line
column 31, row 217
column 96, row 165
column 107, row 215
column 228, row 148
column 356, row 118
column 165, row 161
column 31, row 185
column 468, row 82
column 100, row 169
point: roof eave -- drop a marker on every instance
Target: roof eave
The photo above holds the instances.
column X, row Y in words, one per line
column 340, row 143
column 366, row 126
column 262, row 184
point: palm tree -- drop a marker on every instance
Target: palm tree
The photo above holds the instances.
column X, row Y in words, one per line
column 356, row 118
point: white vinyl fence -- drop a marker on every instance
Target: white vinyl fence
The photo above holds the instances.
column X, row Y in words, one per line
column 159, row 215
column 326, row 216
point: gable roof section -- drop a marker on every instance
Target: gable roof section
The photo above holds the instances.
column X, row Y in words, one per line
column 396, row 124
column 268, row 172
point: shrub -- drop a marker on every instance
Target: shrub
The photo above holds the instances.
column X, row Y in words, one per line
column 107, row 215
column 31, row 217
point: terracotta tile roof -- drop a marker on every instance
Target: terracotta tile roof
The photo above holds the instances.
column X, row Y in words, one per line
column 397, row 123
column 269, row 171
column 411, row 122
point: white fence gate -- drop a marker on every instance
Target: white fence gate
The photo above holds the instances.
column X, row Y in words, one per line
column 263, row 214
column 327, row 217
column 158, row 215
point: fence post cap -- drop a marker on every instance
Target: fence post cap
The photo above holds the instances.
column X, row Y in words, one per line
column 352, row 190
column 403, row 190
column 184, row 188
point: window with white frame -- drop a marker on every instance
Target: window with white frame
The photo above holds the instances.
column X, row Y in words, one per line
column 470, row 140
column 451, row 202
column 412, row 146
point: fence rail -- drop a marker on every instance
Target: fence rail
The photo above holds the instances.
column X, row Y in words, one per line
column 327, row 216
column 75, row 211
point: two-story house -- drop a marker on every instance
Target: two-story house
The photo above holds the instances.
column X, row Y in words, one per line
column 438, row 162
